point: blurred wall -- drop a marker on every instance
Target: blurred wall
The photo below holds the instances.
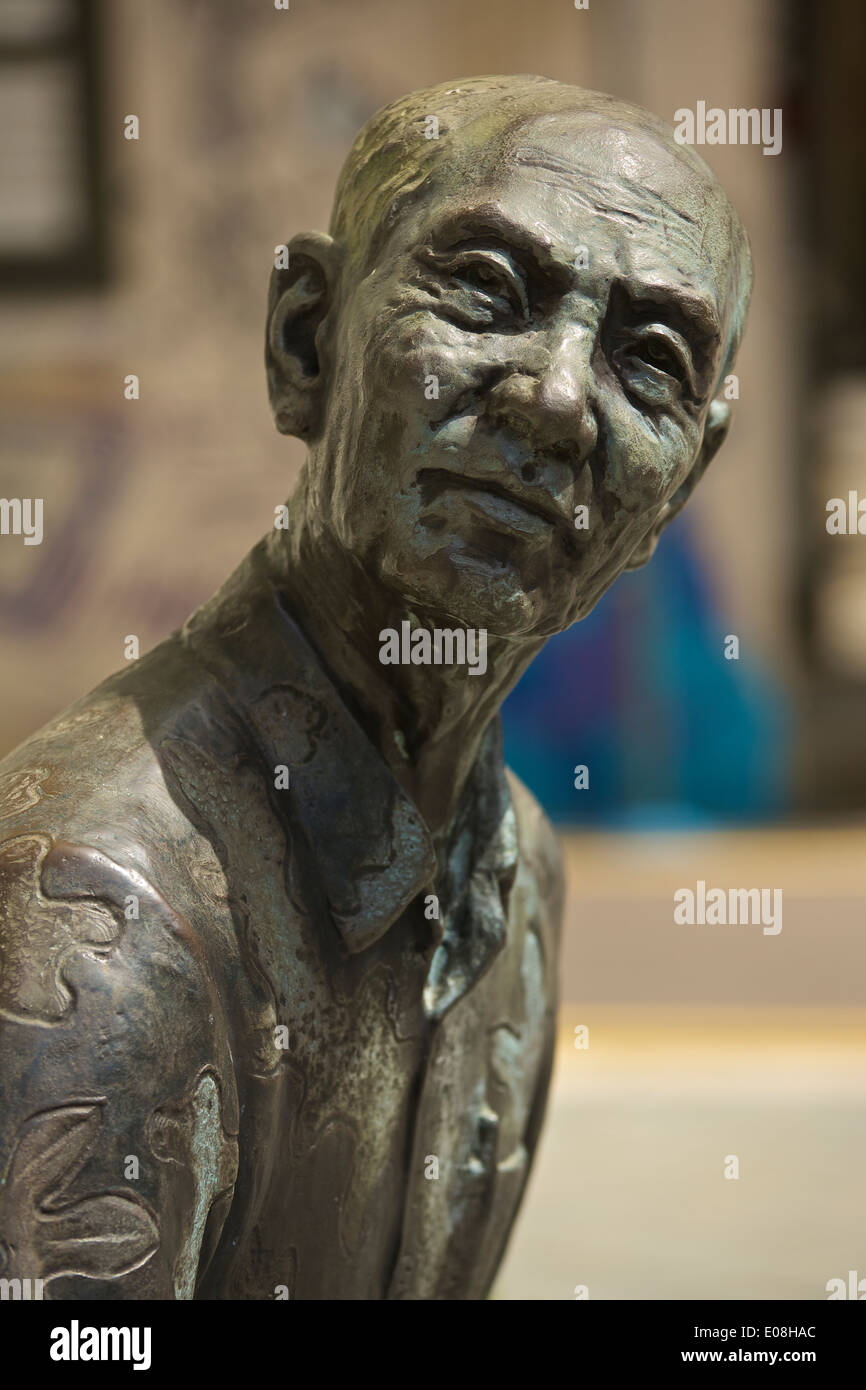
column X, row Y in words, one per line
column 246, row 115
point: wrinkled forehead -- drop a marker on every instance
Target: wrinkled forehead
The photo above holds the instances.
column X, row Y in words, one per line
column 631, row 165
column 580, row 178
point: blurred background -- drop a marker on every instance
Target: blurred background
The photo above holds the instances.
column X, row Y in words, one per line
column 151, row 256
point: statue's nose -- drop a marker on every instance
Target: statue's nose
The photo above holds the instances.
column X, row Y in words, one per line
column 548, row 400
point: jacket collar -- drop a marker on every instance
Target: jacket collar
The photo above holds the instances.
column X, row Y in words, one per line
column 371, row 847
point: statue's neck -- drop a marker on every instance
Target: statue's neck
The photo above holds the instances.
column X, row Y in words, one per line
column 427, row 720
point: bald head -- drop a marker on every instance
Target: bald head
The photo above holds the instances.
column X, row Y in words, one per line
column 506, row 357
column 618, row 160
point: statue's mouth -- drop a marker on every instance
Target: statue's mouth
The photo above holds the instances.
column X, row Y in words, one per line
column 511, row 504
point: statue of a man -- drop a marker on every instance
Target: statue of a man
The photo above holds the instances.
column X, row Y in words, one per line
column 278, row 930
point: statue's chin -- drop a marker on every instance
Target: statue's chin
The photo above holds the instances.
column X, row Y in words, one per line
column 466, row 590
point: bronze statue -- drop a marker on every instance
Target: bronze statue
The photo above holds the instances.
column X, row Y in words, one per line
column 279, row 932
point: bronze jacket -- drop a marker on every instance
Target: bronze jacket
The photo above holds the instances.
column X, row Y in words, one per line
column 241, row 1056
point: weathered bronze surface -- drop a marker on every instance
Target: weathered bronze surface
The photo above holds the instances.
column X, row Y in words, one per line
column 242, row 1057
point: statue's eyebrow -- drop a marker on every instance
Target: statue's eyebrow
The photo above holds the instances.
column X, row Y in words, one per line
column 491, row 224
column 697, row 312
column 688, row 311
column 693, row 313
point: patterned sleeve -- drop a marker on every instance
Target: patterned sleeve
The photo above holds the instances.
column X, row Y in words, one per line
column 118, row 1107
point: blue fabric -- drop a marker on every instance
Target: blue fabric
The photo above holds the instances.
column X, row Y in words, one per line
column 641, row 692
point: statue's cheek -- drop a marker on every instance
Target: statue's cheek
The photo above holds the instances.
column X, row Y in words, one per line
column 421, row 351
column 644, row 455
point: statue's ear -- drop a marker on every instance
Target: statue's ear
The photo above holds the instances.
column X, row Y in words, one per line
column 715, row 430
column 300, row 296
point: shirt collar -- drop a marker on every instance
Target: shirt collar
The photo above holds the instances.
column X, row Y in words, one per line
column 372, row 849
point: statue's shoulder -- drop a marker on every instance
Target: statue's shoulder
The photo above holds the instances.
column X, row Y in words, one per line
column 95, row 766
column 114, row 1041
column 101, row 962
column 83, row 813
column 539, row 847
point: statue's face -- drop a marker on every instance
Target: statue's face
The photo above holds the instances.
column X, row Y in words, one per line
column 536, row 337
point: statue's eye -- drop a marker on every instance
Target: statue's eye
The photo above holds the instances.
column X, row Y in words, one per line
column 654, row 364
column 487, row 287
column 481, row 275
column 492, row 278
column 662, row 355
